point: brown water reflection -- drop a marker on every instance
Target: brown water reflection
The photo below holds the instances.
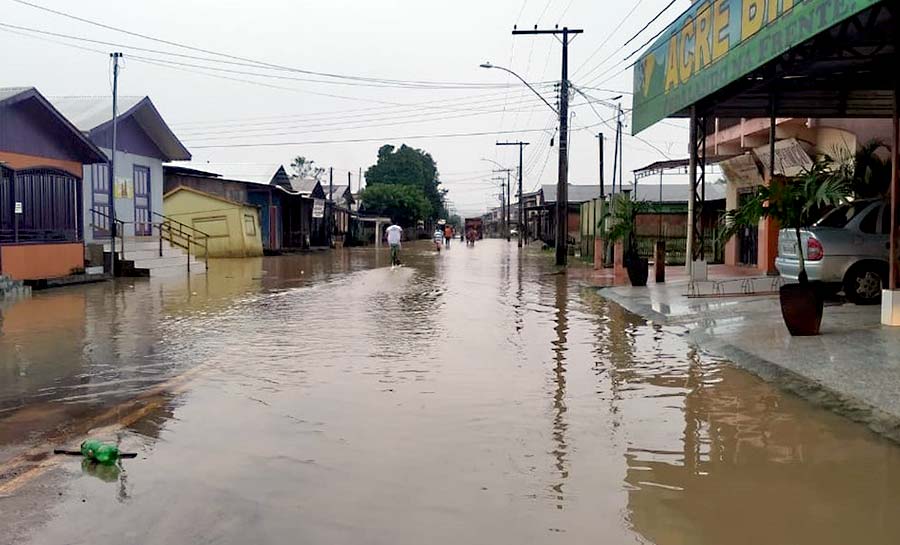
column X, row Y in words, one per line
column 471, row 397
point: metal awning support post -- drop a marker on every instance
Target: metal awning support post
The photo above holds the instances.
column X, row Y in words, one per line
column 692, row 192
column 890, row 300
column 694, row 250
column 895, row 187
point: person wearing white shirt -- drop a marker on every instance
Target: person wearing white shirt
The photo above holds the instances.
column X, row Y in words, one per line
column 394, row 233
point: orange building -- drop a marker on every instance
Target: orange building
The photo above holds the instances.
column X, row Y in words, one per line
column 42, row 156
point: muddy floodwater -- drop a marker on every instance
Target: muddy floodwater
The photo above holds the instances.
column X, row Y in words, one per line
column 471, row 397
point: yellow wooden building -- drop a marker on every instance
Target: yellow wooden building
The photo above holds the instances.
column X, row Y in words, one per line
column 232, row 227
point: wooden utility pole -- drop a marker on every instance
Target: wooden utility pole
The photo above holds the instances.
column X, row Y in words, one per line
column 505, row 201
column 562, row 184
column 519, row 222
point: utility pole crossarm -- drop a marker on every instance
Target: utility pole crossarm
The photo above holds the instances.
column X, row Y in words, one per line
column 536, row 31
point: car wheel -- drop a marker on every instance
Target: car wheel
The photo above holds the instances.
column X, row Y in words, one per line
column 863, row 283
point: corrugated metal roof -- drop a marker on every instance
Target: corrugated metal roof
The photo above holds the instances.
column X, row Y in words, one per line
column 577, row 193
column 93, row 113
column 87, row 113
column 675, row 193
column 304, row 186
column 260, row 173
column 90, row 152
column 9, row 92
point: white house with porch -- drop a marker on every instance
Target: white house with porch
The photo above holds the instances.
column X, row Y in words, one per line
column 144, row 142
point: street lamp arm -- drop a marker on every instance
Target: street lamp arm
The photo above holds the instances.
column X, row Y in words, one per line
column 520, row 78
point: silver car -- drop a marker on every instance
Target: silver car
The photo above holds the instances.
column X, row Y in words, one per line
column 847, row 248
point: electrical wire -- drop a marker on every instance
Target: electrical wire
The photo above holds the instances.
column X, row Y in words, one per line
column 608, row 37
column 372, row 139
column 615, row 65
column 235, row 57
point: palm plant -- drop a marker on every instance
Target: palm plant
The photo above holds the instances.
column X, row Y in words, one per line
column 868, row 174
column 624, row 214
column 793, row 202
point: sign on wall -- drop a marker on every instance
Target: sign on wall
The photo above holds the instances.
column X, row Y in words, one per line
column 318, row 208
column 716, row 42
column 123, row 188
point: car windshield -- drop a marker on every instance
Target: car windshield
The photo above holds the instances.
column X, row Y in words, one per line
column 842, row 215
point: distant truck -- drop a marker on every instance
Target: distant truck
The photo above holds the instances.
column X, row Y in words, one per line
column 477, row 224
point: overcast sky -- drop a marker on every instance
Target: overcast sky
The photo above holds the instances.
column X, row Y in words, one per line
column 406, row 40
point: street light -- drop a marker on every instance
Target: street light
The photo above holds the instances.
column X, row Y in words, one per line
column 533, row 90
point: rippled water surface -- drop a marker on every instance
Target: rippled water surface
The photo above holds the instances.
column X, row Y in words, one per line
column 470, row 397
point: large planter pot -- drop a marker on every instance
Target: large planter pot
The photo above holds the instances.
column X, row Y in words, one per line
column 801, row 308
column 638, row 270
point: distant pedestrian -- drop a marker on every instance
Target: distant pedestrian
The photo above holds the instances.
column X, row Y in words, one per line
column 471, row 235
column 438, row 238
column 448, row 235
column 394, row 233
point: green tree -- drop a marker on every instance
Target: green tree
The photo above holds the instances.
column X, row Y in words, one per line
column 455, row 221
column 404, row 204
column 410, row 167
column 305, row 168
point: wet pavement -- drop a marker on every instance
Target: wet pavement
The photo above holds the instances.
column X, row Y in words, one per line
column 470, row 397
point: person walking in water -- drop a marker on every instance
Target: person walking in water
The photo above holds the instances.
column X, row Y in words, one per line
column 393, row 234
column 448, row 235
column 438, row 238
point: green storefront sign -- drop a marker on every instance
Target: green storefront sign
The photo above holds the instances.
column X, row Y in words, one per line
column 719, row 41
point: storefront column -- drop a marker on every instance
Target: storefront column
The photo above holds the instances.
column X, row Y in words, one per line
column 890, row 299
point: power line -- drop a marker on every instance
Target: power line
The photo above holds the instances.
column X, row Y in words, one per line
column 357, row 112
column 242, row 135
column 296, row 122
column 631, row 39
column 230, row 56
column 362, row 140
column 608, row 37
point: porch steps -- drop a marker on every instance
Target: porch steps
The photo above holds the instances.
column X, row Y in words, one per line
column 13, row 289
column 141, row 258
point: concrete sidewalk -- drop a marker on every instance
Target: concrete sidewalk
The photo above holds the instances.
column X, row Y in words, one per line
column 853, row 367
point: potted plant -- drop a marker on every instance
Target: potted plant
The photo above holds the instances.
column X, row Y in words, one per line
column 624, row 214
column 794, row 203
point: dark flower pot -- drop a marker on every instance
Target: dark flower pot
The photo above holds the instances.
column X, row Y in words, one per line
column 801, row 308
column 638, row 270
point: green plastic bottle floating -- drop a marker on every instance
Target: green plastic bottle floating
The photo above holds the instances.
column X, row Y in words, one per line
column 98, row 451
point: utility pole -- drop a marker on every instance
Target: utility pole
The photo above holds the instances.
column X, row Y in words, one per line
column 619, row 129
column 504, row 207
column 562, row 185
column 600, row 142
column 506, row 201
column 112, row 164
column 329, row 224
column 519, row 222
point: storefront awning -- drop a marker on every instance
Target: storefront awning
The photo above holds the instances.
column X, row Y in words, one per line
column 711, row 57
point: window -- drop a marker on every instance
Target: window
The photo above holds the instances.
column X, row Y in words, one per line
column 249, row 225
column 51, row 204
column 870, row 221
column 842, row 215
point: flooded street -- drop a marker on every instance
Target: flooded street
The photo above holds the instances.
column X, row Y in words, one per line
column 469, row 397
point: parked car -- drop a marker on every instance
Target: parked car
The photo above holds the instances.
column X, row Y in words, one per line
column 847, row 249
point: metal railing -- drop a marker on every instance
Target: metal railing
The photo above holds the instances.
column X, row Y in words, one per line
column 182, row 235
column 172, row 231
column 119, row 231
